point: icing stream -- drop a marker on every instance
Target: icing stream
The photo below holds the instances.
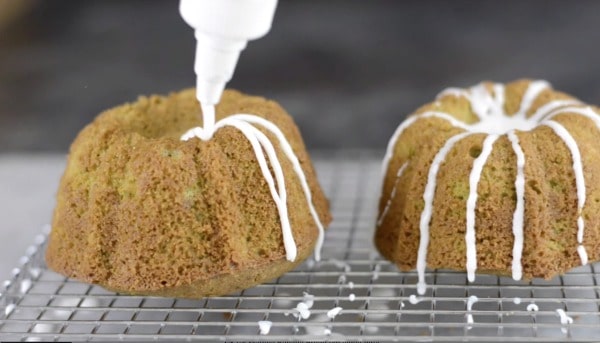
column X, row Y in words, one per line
column 392, row 195
column 472, row 201
column 428, row 210
column 494, row 123
column 261, row 144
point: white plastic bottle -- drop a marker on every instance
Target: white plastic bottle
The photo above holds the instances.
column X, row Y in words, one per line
column 222, row 29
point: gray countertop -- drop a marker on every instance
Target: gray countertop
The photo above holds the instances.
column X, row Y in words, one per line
column 28, row 183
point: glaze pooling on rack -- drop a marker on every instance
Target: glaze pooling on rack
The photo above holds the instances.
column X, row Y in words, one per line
column 261, row 144
column 493, row 121
column 470, row 302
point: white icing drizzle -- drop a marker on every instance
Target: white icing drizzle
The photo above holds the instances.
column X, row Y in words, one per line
column 570, row 142
column 494, row 122
column 392, row 195
column 548, row 109
column 519, row 214
column 351, row 297
column 407, row 123
column 516, row 300
column 587, row 112
column 453, row 91
column 260, row 144
column 499, row 96
column 287, row 149
column 428, row 196
column 533, row 90
column 482, row 103
column 474, row 177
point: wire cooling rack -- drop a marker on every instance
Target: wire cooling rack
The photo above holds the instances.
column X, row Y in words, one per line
column 378, row 302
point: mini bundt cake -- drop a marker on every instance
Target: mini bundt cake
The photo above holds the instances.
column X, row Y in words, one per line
column 141, row 211
column 502, row 179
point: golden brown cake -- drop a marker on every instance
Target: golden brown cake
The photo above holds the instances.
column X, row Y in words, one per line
column 141, row 211
column 496, row 178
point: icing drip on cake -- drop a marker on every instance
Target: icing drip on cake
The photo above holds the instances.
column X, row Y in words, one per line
column 392, row 195
column 494, row 122
column 428, row 210
column 519, row 214
column 472, row 202
column 261, row 144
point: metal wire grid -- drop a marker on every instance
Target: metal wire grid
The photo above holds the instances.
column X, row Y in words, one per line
column 38, row 304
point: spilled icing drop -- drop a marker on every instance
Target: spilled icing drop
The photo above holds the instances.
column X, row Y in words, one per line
column 564, row 319
column 8, row 309
column 495, row 123
column 334, row 312
column 25, row 285
column 470, row 301
column 413, row 299
column 261, row 144
column 308, row 299
column 264, row 326
column 303, row 310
